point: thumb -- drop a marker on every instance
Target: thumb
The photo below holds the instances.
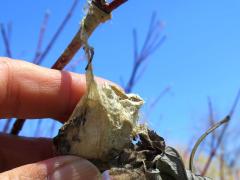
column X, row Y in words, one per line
column 61, row 167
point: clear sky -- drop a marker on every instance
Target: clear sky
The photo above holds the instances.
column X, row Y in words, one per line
column 200, row 57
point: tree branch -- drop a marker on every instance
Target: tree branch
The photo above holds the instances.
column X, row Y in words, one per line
column 95, row 16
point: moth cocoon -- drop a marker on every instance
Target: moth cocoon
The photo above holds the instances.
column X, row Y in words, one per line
column 105, row 119
column 103, row 122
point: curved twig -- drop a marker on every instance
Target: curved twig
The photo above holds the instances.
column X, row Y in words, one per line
column 225, row 120
column 220, row 137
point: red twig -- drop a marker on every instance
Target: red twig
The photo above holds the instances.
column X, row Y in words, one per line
column 115, row 4
column 108, row 7
column 220, row 137
column 76, row 42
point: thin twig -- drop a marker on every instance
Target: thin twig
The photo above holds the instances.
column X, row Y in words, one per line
column 151, row 43
column 211, row 122
column 72, row 66
column 76, row 42
column 59, row 30
column 17, row 126
column 5, row 40
column 150, row 31
column 221, row 165
column 7, row 125
column 36, row 59
column 220, row 138
column 225, row 120
column 135, row 44
column 9, row 32
column 166, row 90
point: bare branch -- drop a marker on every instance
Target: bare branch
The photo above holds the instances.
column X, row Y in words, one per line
column 153, row 104
column 163, row 93
column 5, row 40
column 9, row 31
column 211, row 123
column 151, row 29
column 151, row 43
column 76, row 42
column 36, row 59
column 57, row 33
column 135, row 44
column 221, row 165
column 7, row 125
column 220, row 138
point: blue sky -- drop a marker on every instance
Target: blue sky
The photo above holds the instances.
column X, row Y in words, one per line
column 200, row 57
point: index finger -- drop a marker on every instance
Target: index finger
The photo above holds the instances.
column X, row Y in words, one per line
column 31, row 91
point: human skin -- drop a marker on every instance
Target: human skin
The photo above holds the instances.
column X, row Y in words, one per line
column 33, row 92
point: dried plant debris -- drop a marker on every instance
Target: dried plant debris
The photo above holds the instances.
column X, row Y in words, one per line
column 104, row 121
column 104, row 129
column 144, row 161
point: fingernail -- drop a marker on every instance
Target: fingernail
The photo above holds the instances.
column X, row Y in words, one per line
column 105, row 175
column 76, row 169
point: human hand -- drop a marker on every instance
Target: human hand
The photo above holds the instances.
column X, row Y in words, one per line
column 30, row 91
